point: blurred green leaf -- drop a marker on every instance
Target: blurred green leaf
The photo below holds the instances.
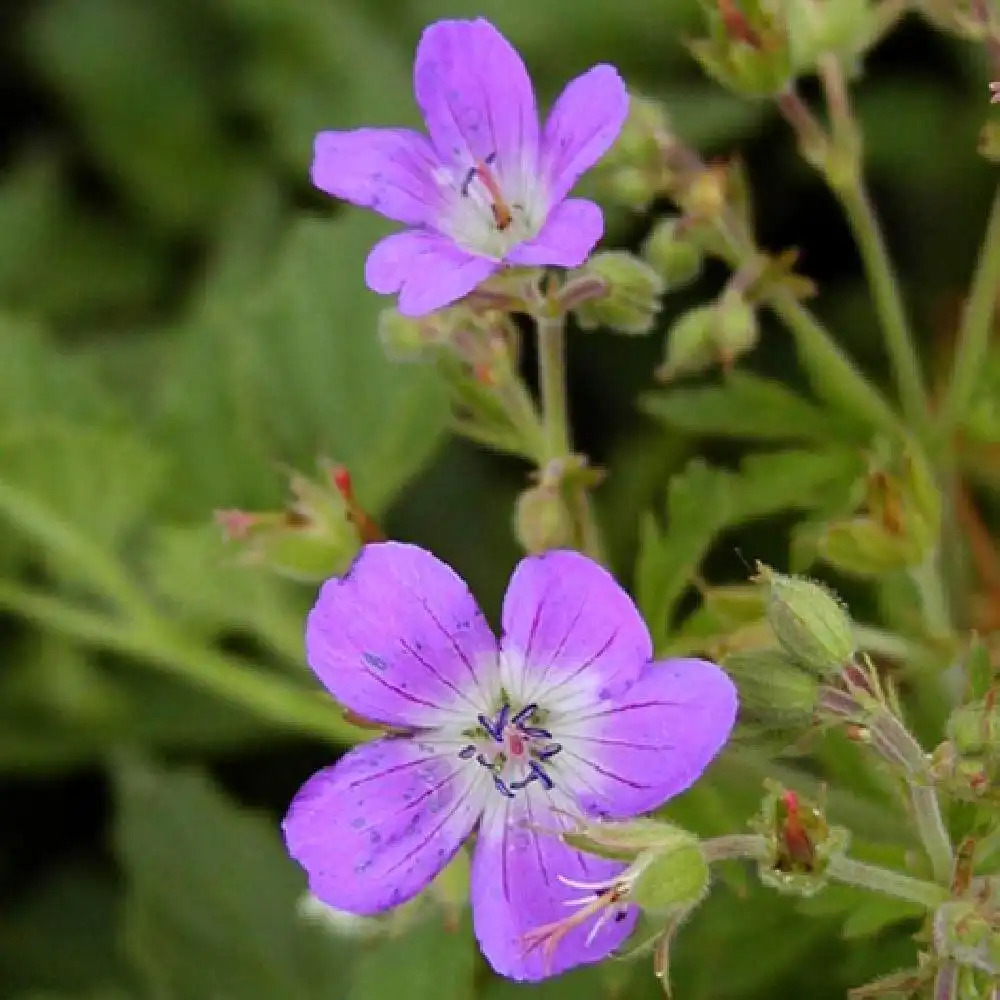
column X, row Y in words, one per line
column 211, row 901
column 698, row 507
column 434, row 963
column 143, row 103
column 743, row 406
column 62, row 937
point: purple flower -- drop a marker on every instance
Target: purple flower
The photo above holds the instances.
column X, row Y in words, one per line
column 489, row 186
column 566, row 717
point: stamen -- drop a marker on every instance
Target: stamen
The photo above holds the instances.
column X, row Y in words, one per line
column 467, row 753
column 542, row 734
column 502, row 787
column 535, row 768
column 525, row 713
column 488, row 726
column 549, row 751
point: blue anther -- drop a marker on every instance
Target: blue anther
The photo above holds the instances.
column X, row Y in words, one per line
column 467, row 753
column 502, row 787
column 542, row 734
column 481, row 759
column 525, row 713
column 539, row 773
column 496, row 734
column 550, row 751
column 524, row 782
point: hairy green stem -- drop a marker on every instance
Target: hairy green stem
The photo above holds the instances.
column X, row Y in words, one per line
column 930, row 826
column 552, row 382
column 270, row 698
column 551, row 329
column 750, row 846
column 886, row 882
column 888, row 298
column 974, row 333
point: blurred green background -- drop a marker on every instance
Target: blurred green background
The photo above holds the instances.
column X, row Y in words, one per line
column 182, row 317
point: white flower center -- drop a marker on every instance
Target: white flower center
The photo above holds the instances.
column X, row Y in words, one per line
column 490, row 211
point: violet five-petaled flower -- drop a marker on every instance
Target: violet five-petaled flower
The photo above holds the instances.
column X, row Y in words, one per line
column 566, row 717
column 489, row 186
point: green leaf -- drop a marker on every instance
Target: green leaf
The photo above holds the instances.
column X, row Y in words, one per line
column 211, row 903
column 434, row 963
column 323, row 384
column 699, row 505
column 744, row 406
column 62, row 937
column 795, row 480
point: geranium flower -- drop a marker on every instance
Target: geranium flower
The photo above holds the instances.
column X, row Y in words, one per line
column 489, row 187
column 565, row 717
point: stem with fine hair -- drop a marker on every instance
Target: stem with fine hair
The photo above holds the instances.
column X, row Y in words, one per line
column 930, row 825
column 976, row 328
column 551, row 329
column 886, row 881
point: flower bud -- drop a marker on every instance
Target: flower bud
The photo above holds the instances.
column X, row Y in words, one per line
column 622, row 840
column 634, row 171
column 968, row 931
column 736, row 330
column 774, row 690
column 405, row 338
column 800, row 842
column 632, row 299
column 844, row 28
column 690, row 344
column 808, row 621
column 975, row 728
column 674, row 256
column 672, row 876
column 542, row 520
column 313, row 539
column 748, row 49
column 861, row 547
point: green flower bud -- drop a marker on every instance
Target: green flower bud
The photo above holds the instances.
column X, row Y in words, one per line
column 672, row 255
column 313, row 539
column 817, row 27
column 542, row 520
column 808, row 621
column 774, row 690
column 968, row 931
column 622, row 840
column 690, row 344
column 863, row 548
column 975, row 728
column 632, row 299
column 748, row 49
column 407, row 339
column 672, row 876
column 736, row 330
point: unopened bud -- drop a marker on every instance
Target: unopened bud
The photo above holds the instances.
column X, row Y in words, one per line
column 736, row 330
column 861, row 547
column 690, row 344
column 975, row 728
column 968, row 932
column 633, row 294
column 844, row 28
column 542, row 520
column 673, row 255
column 774, row 690
column 808, row 621
column 313, row 539
column 671, row 876
column 748, row 49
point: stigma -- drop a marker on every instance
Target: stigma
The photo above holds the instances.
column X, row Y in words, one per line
column 513, row 749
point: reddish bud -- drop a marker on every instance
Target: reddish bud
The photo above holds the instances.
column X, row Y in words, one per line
column 737, row 26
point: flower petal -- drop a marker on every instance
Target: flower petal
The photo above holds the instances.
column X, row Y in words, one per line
column 427, row 270
column 516, row 889
column 583, row 123
column 476, row 96
column 571, row 635
column 651, row 743
column 375, row 828
column 566, row 239
column 400, row 639
column 390, row 170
